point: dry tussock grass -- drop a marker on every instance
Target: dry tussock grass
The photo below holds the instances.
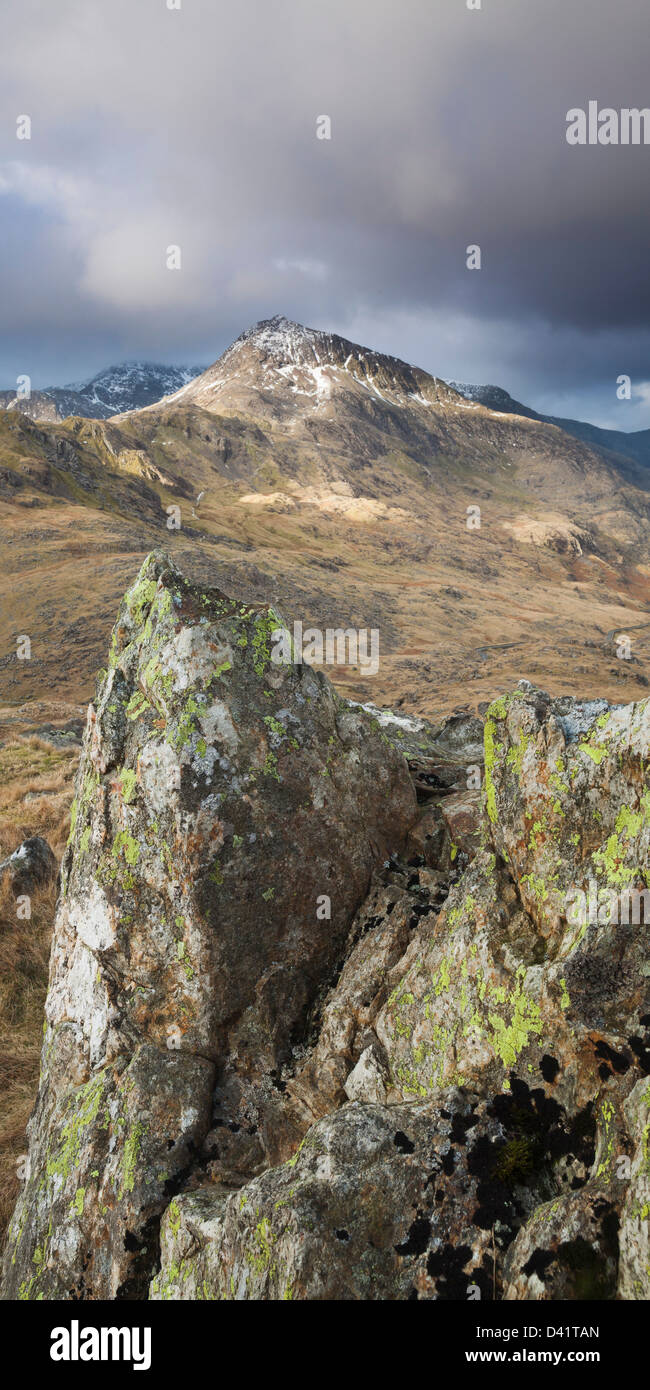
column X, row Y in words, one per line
column 36, row 786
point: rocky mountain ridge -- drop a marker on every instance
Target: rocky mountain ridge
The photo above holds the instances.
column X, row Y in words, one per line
column 298, row 365
column 306, row 358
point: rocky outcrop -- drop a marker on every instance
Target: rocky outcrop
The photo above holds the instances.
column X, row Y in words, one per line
column 229, row 813
column 501, row 1028
column 438, row 1091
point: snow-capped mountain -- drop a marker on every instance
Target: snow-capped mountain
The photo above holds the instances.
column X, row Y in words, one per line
column 286, row 369
column 114, row 391
column 132, row 385
column 289, row 370
column 334, row 482
column 287, row 366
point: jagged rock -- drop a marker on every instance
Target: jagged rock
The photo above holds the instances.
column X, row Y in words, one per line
column 567, row 801
column 228, row 816
column 31, row 865
column 380, row 1202
column 446, row 835
column 452, row 1092
column 468, row 1002
column 508, row 983
column 105, row 1156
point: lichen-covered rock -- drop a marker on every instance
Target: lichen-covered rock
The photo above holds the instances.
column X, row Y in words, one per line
column 368, row 1080
column 511, row 982
column 477, row 994
column 440, row 1088
column 634, row 1236
column 380, row 1202
column 228, row 816
column 568, row 804
column 468, row 1002
column 492, row 996
column 569, row 1247
column 592, row 1243
column 104, row 1157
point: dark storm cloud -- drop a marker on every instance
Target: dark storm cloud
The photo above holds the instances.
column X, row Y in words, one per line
column 197, row 127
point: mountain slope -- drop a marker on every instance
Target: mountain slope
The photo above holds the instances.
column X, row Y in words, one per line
column 350, row 489
column 634, row 445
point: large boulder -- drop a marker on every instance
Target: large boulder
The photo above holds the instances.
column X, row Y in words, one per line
column 229, row 813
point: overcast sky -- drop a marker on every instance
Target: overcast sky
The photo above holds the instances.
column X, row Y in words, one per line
column 197, row 127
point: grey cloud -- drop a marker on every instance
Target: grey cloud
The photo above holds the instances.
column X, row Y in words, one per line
column 198, row 127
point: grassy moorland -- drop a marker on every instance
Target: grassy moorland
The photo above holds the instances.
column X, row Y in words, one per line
column 35, row 796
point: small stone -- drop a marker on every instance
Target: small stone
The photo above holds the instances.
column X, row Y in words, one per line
column 367, row 1081
column 31, row 865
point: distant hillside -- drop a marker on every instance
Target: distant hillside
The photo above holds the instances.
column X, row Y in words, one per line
column 634, row 445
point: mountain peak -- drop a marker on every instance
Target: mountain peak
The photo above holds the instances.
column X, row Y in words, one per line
column 281, row 337
column 282, row 366
column 293, row 344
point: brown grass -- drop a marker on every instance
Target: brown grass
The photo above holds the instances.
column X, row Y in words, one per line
column 36, row 784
